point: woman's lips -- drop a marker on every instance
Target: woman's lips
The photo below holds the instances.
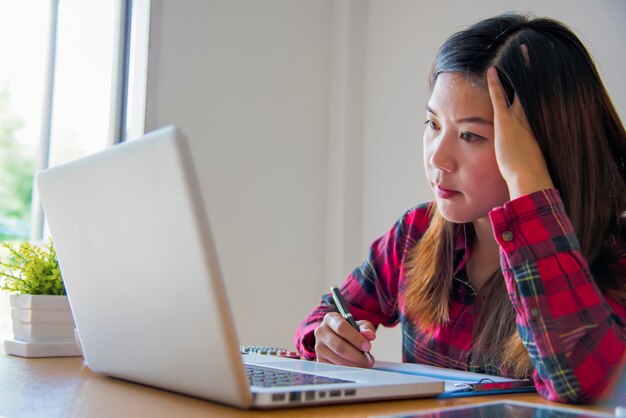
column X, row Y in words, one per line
column 445, row 193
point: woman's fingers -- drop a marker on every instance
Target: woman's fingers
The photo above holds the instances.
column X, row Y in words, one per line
column 496, row 92
column 518, row 154
column 342, row 328
column 325, row 354
column 518, row 111
column 367, row 329
column 337, row 342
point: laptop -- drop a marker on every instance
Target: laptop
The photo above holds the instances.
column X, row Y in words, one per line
column 143, row 280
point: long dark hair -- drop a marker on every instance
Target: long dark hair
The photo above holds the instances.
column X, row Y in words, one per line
column 584, row 144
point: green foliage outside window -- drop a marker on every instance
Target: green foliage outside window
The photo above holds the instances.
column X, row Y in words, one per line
column 16, row 176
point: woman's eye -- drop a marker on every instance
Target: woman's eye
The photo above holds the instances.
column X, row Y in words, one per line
column 431, row 124
column 470, row 137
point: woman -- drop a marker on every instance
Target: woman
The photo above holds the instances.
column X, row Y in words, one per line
column 518, row 268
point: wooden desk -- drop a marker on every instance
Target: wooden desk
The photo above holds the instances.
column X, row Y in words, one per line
column 65, row 387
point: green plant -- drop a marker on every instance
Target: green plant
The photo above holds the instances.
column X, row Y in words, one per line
column 30, row 269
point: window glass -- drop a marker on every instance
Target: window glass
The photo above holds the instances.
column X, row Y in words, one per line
column 23, row 48
column 87, row 36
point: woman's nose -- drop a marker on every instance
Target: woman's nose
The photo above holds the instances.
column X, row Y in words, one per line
column 441, row 153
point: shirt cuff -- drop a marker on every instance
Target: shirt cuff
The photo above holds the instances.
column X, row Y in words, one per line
column 533, row 226
column 307, row 343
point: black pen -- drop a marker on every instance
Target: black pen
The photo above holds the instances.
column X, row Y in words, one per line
column 342, row 307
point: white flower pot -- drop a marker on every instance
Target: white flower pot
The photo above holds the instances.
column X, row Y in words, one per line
column 43, row 326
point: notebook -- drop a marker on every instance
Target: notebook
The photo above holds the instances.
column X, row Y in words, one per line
column 145, row 288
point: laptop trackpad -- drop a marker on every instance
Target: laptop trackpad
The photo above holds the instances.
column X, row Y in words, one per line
column 308, row 366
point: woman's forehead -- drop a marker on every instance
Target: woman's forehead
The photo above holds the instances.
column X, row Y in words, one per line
column 455, row 92
column 457, row 78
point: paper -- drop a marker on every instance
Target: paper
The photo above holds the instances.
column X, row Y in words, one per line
column 454, row 379
column 438, row 372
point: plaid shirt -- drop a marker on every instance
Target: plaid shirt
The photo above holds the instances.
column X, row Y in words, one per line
column 574, row 334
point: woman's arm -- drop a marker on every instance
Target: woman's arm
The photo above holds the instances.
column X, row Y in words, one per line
column 574, row 334
column 371, row 290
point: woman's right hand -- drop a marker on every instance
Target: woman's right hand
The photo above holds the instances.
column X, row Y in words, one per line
column 337, row 342
column 519, row 157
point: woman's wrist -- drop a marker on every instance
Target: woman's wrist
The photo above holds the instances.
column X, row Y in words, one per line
column 525, row 185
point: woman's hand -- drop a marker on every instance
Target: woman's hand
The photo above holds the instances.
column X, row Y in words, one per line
column 519, row 157
column 337, row 342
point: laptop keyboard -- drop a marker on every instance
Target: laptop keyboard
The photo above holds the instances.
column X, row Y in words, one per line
column 267, row 377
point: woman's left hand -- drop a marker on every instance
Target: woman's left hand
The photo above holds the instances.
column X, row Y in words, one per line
column 519, row 157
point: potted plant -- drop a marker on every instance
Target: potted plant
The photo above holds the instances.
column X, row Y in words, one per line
column 43, row 325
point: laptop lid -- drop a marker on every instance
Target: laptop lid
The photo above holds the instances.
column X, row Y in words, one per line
column 140, row 268
column 145, row 288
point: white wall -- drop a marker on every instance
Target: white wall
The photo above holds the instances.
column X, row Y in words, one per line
column 305, row 118
column 248, row 83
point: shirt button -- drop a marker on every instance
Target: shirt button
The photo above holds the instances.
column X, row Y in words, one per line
column 534, row 312
column 507, row 236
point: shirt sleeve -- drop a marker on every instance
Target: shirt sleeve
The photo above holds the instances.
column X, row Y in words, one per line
column 574, row 334
column 371, row 290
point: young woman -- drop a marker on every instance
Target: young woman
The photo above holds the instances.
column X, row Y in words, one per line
column 518, row 267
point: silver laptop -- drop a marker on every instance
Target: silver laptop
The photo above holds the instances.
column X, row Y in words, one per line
column 147, row 295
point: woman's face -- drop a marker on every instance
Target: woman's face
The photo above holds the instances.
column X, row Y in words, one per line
column 459, row 155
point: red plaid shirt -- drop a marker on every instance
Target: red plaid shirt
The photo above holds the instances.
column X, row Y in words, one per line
column 574, row 334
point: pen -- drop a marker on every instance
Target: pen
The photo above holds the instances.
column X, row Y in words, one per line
column 342, row 307
column 489, row 386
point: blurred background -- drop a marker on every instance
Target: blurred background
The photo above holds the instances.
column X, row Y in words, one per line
column 305, row 119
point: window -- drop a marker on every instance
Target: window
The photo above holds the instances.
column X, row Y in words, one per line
column 23, row 43
column 64, row 93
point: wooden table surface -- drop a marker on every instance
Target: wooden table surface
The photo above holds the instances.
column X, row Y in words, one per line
column 65, row 387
